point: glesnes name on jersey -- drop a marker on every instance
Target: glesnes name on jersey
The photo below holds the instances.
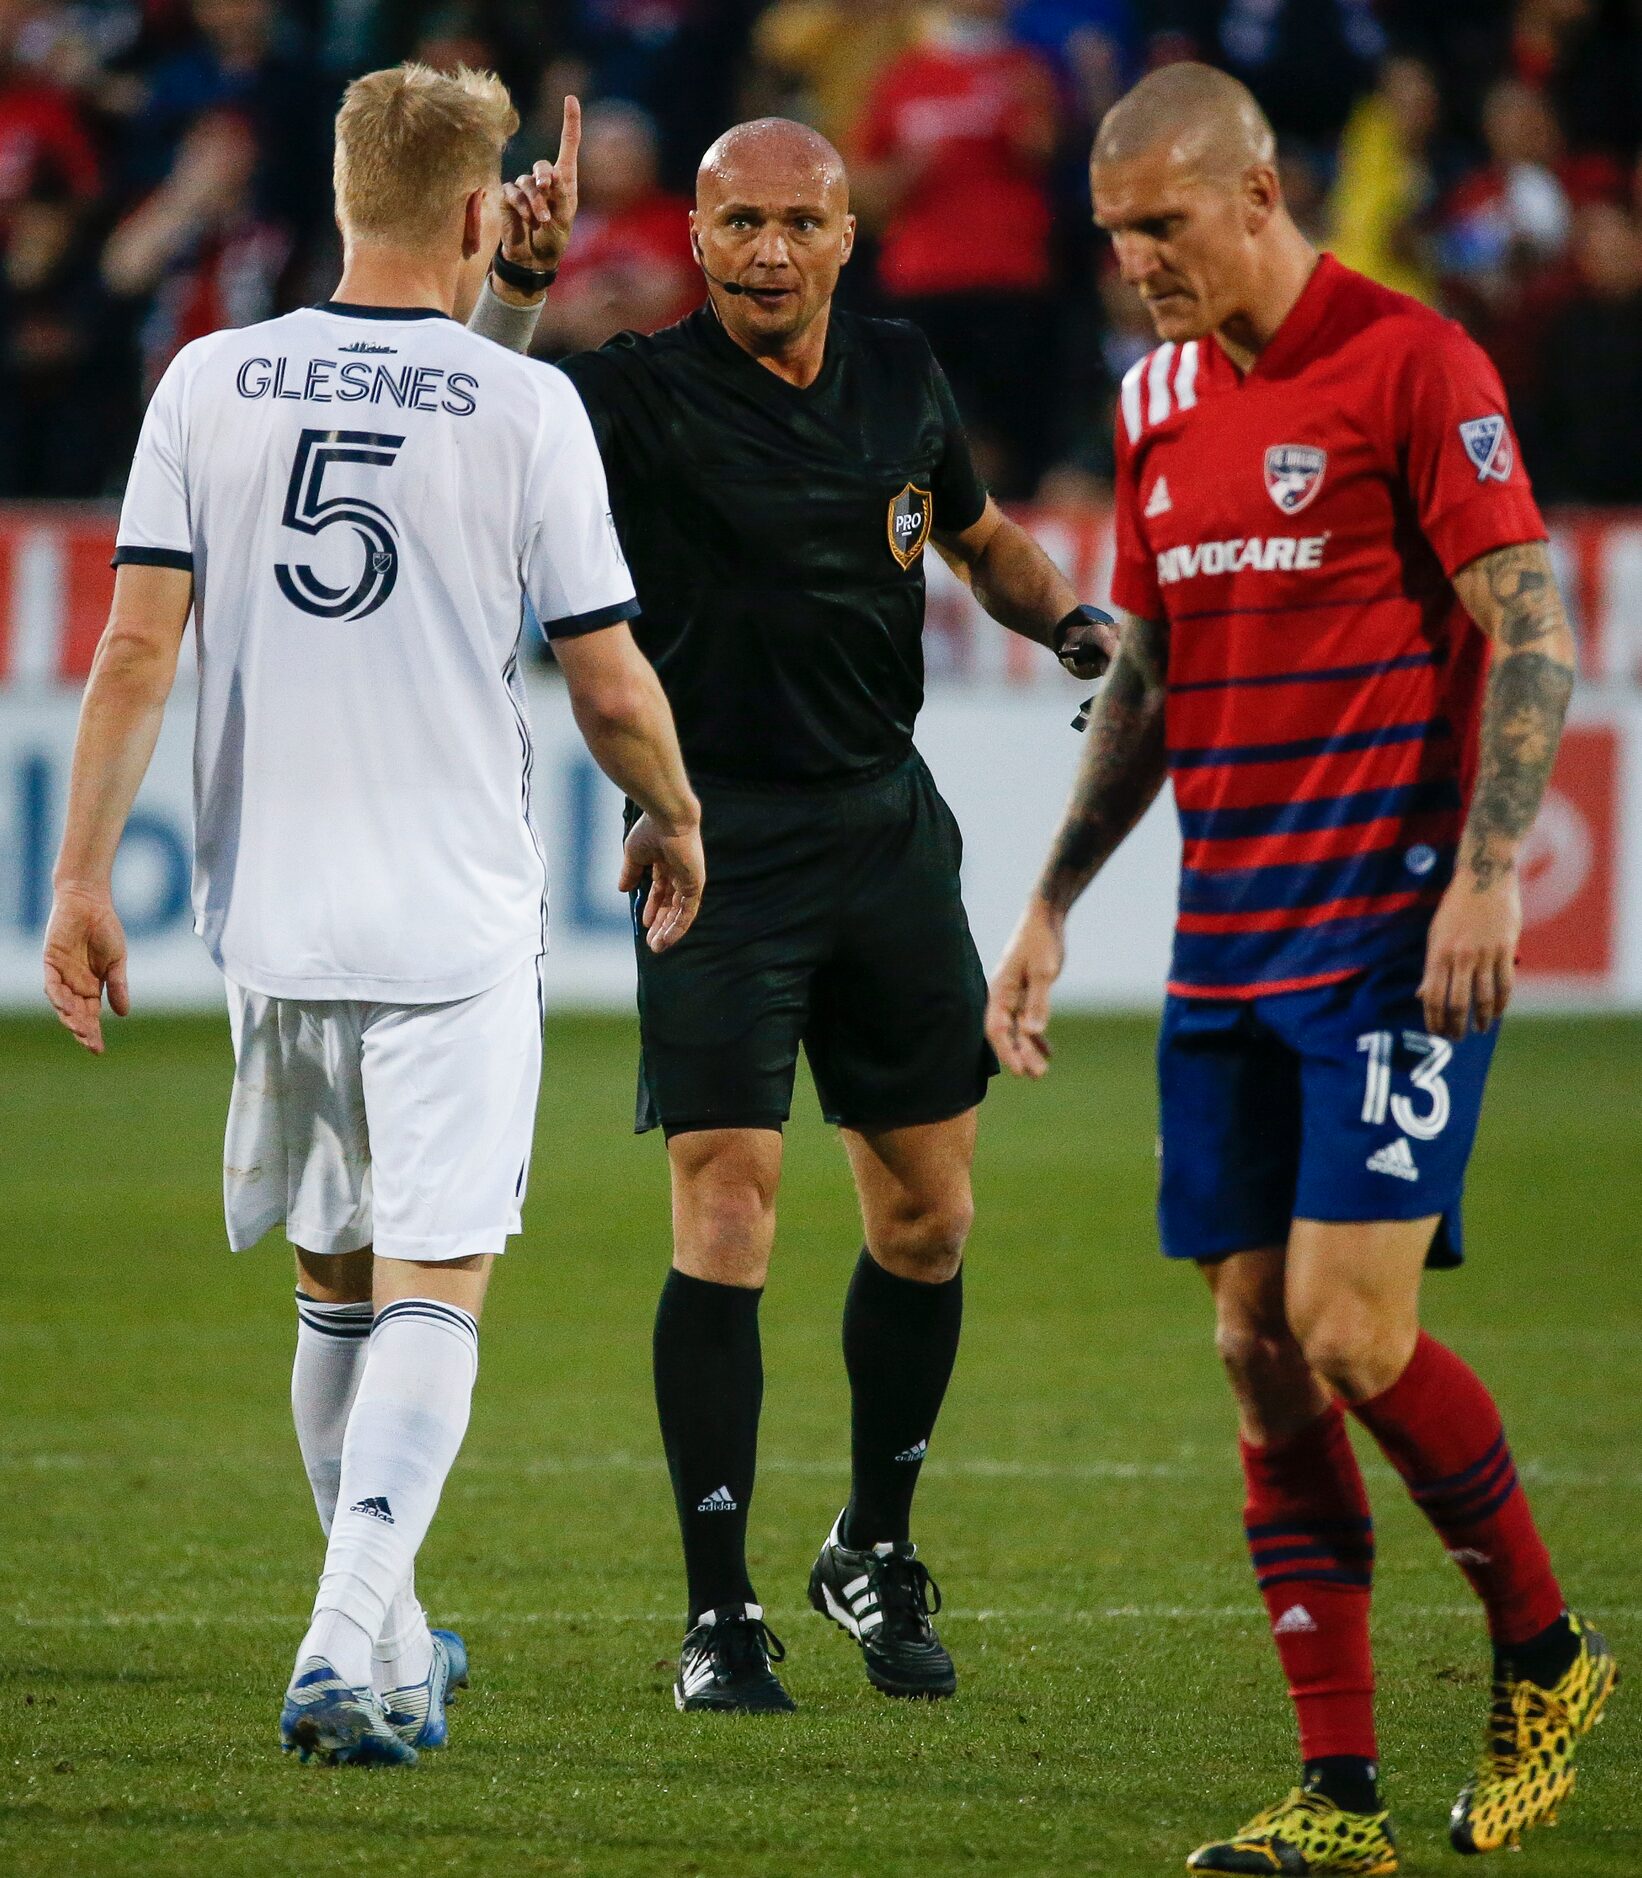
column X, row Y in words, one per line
column 1268, row 554
column 331, row 381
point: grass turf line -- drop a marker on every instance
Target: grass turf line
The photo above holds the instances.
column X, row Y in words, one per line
column 160, row 1548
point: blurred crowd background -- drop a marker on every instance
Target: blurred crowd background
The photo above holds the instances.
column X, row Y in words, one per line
column 164, row 170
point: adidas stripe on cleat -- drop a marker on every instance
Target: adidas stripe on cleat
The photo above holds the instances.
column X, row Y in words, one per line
column 416, row 1712
column 1308, row 1835
column 327, row 1720
column 724, row 1667
column 882, row 1598
column 1527, row 1768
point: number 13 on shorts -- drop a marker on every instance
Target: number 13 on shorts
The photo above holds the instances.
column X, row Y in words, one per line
column 1432, row 1056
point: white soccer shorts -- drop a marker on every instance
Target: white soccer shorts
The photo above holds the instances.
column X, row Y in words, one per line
column 402, row 1126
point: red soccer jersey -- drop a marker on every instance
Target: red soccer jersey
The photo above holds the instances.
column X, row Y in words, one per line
column 1298, row 528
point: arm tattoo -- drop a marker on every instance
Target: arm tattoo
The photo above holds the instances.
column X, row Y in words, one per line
column 1123, row 767
column 1512, row 595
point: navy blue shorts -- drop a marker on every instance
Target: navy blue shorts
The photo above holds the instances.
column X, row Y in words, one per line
column 1331, row 1104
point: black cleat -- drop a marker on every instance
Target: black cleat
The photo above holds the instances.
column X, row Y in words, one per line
column 882, row 1598
column 724, row 1667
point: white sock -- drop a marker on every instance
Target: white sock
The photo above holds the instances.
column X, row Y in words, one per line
column 331, row 1340
column 343, row 1644
column 404, row 1651
column 404, row 1432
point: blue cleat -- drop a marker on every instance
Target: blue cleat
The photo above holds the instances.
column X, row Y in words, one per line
column 326, row 1720
column 416, row 1713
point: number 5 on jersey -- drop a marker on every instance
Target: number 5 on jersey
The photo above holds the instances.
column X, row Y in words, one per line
column 311, row 514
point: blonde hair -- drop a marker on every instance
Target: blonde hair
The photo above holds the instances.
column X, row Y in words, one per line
column 412, row 144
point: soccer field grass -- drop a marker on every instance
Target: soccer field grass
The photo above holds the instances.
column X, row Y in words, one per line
column 1118, row 1697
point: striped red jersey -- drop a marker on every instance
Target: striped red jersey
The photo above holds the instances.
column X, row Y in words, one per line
column 1298, row 528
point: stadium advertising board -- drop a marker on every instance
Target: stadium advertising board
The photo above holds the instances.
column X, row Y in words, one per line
column 996, row 733
column 1005, row 758
column 55, row 584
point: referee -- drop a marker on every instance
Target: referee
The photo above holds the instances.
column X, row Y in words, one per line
column 777, row 469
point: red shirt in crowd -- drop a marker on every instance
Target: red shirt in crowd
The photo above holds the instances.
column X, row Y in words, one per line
column 1299, row 528
column 977, row 218
column 41, row 131
column 649, row 239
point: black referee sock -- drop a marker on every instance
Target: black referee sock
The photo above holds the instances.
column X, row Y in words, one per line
column 900, row 1342
column 709, row 1388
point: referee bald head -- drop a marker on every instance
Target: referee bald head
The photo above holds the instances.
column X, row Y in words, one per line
column 772, row 230
column 1184, row 179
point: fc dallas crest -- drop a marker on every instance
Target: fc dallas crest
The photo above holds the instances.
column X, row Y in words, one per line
column 1294, row 474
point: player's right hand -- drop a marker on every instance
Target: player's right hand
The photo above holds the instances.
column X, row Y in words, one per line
column 84, row 954
column 678, row 874
column 1017, row 1007
column 539, row 210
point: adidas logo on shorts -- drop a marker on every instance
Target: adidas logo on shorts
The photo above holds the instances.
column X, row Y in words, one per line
column 720, row 1500
column 1396, row 1159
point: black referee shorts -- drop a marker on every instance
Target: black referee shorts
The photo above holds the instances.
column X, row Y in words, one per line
column 832, row 919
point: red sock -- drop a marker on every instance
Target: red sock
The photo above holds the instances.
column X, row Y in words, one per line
column 1312, row 1542
column 1441, row 1431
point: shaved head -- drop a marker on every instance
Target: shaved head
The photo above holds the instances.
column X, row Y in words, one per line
column 1204, row 119
column 772, row 229
column 771, row 150
column 1183, row 177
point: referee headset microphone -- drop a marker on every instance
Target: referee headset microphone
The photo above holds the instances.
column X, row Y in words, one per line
column 731, row 287
column 728, row 286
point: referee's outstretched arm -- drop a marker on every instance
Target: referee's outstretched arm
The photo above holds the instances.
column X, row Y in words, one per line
column 1018, row 584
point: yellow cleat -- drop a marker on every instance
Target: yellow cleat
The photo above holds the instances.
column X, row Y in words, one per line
column 1305, row 1833
column 1527, row 1767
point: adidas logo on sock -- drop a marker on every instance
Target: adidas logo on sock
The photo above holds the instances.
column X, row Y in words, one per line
column 915, row 1453
column 1294, row 1620
column 720, row 1500
column 374, row 1508
column 1469, row 1555
column 1397, row 1158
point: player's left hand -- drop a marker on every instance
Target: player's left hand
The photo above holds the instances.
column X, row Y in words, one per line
column 1470, row 956
column 678, row 876
column 1090, row 646
column 84, row 955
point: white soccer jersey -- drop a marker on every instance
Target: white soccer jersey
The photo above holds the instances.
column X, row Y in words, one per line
column 365, row 497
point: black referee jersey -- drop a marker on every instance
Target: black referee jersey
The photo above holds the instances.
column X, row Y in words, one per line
column 776, row 537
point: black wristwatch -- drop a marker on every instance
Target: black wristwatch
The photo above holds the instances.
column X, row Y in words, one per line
column 522, row 279
column 1079, row 616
